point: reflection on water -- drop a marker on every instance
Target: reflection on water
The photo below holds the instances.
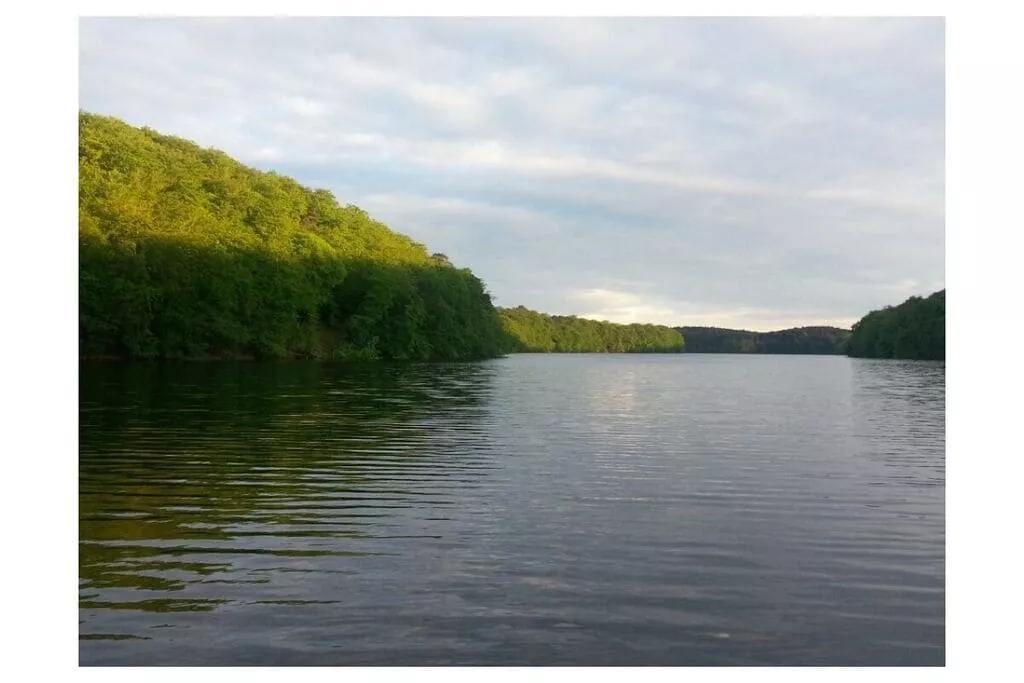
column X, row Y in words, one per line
column 203, row 482
column 531, row 510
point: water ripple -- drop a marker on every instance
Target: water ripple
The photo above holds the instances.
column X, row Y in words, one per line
column 587, row 510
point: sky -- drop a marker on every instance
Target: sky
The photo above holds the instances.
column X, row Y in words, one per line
column 750, row 173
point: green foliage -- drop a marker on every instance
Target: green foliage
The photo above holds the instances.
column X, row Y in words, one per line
column 916, row 329
column 184, row 252
column 798, row 340
column 537, row 332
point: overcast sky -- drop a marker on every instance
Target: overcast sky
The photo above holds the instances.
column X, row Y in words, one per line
column 759, row 173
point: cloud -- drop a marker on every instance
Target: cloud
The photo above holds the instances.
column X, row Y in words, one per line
column 762, row 171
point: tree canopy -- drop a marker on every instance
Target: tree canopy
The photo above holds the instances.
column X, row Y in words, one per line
column 915, row 329
column 797, row 340
column 186, row 252
column 539, row 332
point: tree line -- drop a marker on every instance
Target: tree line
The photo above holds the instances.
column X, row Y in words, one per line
column 531, row 331
column 797, row 340
column 915, row 329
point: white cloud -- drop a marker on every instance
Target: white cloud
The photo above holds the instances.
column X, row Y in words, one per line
column 861, row 39
column 305, row 107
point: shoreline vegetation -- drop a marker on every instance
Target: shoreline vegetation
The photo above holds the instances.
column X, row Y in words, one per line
column 913, row 330
column 530, row 331
column 187, row 254
column 796, row 340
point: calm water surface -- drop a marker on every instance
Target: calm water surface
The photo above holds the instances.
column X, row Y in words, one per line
column 533, row 510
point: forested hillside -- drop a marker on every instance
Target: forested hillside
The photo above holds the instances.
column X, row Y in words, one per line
column 805, row 340
column 539, row 332
column 184, row 252
column 916, row 329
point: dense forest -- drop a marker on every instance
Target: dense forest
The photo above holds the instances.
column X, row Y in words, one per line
column 539, row 332
column 184, row 252
column 806, row 340
column 916, row 329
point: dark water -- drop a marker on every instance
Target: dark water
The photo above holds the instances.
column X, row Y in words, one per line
column 534, row 510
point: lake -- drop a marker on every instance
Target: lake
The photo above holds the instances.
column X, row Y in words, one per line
column 589, row 510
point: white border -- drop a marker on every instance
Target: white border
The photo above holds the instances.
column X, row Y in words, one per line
column 39, row 293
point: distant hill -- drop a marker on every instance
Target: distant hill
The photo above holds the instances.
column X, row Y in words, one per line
column 798, row 340
column 916, row 329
